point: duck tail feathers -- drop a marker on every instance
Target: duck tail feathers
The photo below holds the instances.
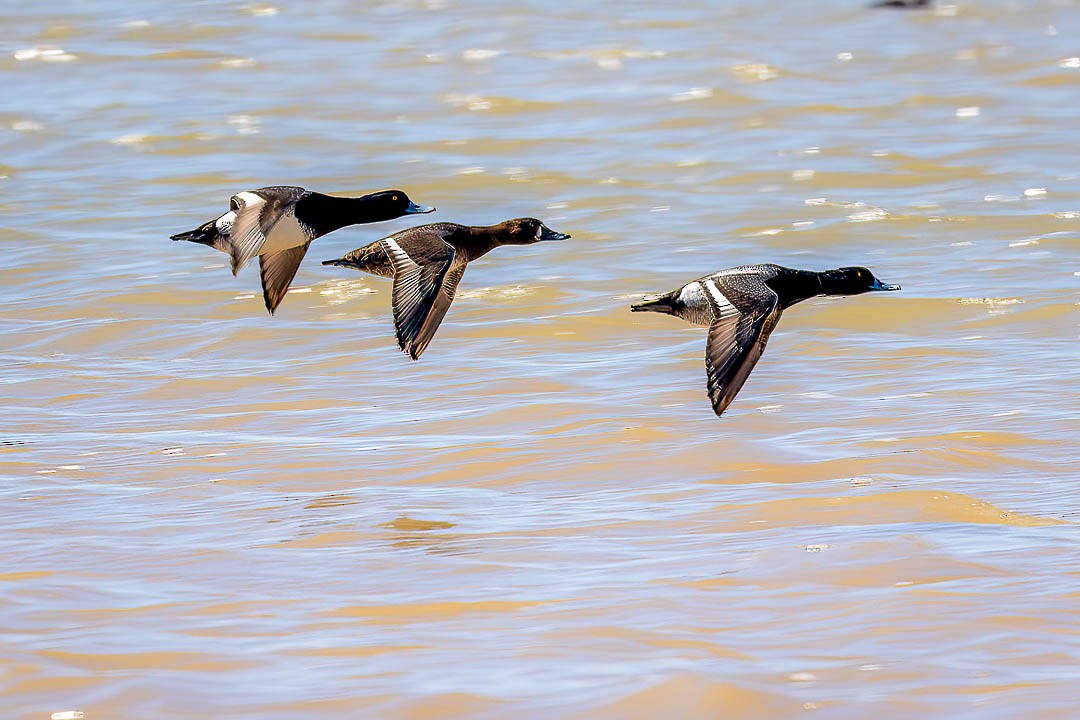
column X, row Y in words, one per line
column 657, row 303
column 206, row 235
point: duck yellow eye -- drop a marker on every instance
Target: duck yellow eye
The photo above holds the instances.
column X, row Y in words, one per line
column 394, row 198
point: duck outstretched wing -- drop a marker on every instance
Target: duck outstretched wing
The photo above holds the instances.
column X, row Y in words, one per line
column 423, row 289
column 257, row 213
column 278, row 270
column 736, row 340
column 249, row 229
column 441, row 304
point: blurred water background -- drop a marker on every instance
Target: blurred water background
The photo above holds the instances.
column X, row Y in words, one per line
column 209, row 512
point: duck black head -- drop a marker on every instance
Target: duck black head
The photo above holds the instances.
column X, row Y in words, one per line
column 390, row 204
column 851, row 281
column 525, row 231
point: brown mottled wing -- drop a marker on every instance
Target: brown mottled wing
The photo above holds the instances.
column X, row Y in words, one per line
column 419, row 272
column 278, row 270
column 736, row 340
column 435, row 315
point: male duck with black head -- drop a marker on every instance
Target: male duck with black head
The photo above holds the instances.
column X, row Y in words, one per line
column 427, row 262
column 278, row 223
column 742, row 305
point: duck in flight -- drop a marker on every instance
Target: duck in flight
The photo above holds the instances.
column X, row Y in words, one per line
column 741, row 307
column 278, row 223
column 426, row 264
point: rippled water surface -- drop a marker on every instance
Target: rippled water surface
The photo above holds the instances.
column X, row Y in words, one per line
column 209, row 512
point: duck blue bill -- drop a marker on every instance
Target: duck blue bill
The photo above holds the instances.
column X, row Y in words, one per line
column 415, row 209
column 547, row 233
column 878, row 285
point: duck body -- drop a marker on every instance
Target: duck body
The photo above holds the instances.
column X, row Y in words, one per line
column 741, row 307
column 278, row 223
column 427, row 263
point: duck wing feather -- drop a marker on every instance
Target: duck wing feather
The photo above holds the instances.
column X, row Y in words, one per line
column 277, row 271
column 257, row 212
column 420, row 273
column 737, row 339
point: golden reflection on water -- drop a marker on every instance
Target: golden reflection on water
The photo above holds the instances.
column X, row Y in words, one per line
column 214, row 513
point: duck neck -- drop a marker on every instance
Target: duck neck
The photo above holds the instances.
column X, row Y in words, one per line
column 479, row 241
column 794, row 286
column 326, row 213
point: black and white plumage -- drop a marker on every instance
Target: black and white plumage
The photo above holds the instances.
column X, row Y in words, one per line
column 741, row 307
column 427, row 263
column 278, row 223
